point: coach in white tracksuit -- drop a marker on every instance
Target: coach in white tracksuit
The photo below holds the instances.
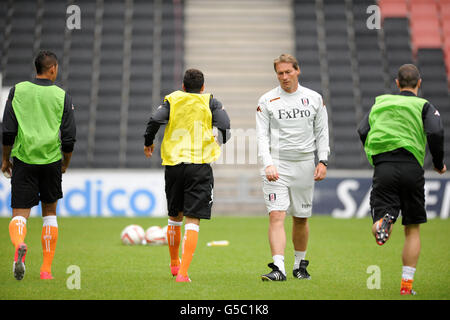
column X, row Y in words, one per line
column 291, row 124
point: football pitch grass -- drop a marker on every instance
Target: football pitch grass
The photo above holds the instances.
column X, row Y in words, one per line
column 342, row 253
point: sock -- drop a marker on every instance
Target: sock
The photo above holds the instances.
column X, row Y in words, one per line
column 408, row 273
column 278, row 260
column 299, row 256
column 173, row 240
column 18, row 230
column 49, row 238
column 189, row 244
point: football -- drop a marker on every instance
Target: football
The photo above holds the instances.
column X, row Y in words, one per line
column 155, row 236
column 132, row 235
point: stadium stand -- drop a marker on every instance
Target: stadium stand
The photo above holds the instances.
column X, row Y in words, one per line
column 444, row 10
column 306, row 44
column 369, row 56
column 129, row 53
column 432, row 66
column 156, row 67
column 341, row 86
column 3, row 42
column 79, row 74
column 234, row 43
column 140, row 81
column 414, row 33
column 106, row 66
column 107, row 116
column 371, row 66
column 398, row 48
column 424, row 25
column 393, row 8
column 21, row 16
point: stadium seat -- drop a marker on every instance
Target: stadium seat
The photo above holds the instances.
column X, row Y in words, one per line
column 424, row 24
column 444, row 7
column 435, row 86
column 393, row 8
column 307, row 51
column 371, row 75
column 341, row 92
column 20, row 53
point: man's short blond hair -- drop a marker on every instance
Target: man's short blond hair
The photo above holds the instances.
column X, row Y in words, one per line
column 285, row 57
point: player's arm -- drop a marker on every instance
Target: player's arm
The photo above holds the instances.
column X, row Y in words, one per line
column 220, row 120
column 9, row 133
column 434, row 130
column 322, row 141
column 158, row 118
column 321, row 132
column 263, row 139
column 68, row 132
column 363, row 128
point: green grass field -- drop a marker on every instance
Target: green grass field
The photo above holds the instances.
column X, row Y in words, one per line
column 340, row 251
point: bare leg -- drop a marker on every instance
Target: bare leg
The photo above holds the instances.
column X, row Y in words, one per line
column 411, row 248
column 49, row 209
column 277, row 235
column 300, row 233
column 21, row 212
column 178, row 218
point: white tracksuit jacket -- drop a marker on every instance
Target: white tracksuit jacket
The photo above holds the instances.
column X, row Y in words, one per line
column 291, row 126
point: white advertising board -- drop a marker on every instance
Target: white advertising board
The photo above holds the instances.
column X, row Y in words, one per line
column 103, row 193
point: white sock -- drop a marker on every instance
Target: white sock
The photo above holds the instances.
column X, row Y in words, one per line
column 20, row 218
column 278, row 260
column 50, row 221
column 299, row 256
column 191, row 226
column 408, row 273
column 174, row 223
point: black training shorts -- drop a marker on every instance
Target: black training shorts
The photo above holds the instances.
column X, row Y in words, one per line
column 31, row 183
column 399, row 186
column 189, row 189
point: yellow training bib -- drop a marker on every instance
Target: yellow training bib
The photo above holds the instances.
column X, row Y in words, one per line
column 188, row 135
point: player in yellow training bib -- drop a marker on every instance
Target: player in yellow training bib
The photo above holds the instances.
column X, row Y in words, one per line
column 187, row 149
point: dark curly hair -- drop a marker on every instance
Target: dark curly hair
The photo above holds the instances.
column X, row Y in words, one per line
column 44, row 61
column 193, row 80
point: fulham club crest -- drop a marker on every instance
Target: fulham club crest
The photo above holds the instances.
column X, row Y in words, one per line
column 305, row 102
column 272, row 197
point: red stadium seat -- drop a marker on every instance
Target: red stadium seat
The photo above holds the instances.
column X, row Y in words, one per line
column 446, row 29
column 424, row 24
column 423, row 8
column 446, row 50
column 393, row 8
column 444, row 10
column 423, row 39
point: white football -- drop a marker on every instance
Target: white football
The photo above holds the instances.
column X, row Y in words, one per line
column 155, row 236
column 133, row 235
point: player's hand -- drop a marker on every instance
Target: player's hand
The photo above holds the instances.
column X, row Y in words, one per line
column 65, row 161
column 7, row 168
column 271, row 173
column 444, row 169
column 148, row 150
column 321, row 172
